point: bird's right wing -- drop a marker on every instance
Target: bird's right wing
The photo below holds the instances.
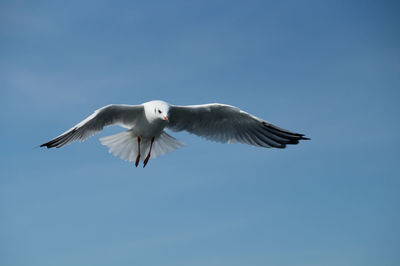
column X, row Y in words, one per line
column 114, row 114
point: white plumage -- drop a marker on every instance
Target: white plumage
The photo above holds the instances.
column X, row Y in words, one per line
column 146, row 124
column 124, row 145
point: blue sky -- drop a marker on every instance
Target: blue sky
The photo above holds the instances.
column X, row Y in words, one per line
column 329, row 69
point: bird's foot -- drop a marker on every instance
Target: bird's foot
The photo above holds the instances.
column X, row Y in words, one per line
column 148, row 155
column 138, row 155
column 137, row 160
column 146, row 160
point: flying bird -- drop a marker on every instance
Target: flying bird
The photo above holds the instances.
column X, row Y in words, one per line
column 146, row 138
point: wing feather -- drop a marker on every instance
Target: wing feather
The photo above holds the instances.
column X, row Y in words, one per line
column 124, row 115
column 226, row 123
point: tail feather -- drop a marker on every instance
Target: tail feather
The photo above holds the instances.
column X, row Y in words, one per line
column 125, row 145
column 121, row 145
column 165, row 143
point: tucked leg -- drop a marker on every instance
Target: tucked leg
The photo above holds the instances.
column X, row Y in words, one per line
column 138, row 155
column 148, row 155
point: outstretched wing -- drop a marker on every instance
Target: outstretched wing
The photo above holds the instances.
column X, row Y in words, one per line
column 225, row 123
column 124, row 115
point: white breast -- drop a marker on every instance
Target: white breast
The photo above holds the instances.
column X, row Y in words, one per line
column 148, row 129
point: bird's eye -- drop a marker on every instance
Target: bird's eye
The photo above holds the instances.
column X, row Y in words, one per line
column 159, row 111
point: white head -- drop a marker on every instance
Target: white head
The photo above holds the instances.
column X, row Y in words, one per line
column 156, row 110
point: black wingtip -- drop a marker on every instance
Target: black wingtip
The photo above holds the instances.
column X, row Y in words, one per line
column 45, row 145
column 48, row 145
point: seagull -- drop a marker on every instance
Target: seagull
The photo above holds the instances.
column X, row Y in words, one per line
column 146, row 123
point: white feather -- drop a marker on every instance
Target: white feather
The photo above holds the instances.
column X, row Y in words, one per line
column 125, row 145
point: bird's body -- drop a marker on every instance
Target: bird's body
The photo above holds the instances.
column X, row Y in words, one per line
column 146, row 124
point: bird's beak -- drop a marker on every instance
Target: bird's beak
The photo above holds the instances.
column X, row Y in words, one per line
column 166, row 118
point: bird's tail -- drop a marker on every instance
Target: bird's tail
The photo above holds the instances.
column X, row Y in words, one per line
column 125, row 145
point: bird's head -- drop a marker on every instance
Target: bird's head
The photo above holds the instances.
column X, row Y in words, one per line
column 157, row 110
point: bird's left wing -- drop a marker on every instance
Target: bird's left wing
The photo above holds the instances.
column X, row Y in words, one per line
column 124, row 115
column 225, row 123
